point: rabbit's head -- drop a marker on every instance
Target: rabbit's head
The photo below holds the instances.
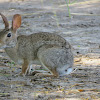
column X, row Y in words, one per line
column 8, row 36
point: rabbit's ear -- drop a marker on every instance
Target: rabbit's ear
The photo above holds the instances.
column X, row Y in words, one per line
column 5, row 21
column 16, row 22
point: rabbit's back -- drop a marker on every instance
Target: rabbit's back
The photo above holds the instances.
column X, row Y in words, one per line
column 28, row 45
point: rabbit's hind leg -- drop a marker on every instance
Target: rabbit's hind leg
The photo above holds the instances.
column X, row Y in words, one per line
column 52, row 70
column 49, row 58
column 47, row 64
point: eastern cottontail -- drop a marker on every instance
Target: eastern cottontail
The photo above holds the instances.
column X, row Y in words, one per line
column 50, row 50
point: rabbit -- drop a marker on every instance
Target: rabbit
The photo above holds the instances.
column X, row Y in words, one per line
column 47, row 49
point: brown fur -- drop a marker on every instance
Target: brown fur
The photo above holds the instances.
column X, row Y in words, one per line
column 48, row 49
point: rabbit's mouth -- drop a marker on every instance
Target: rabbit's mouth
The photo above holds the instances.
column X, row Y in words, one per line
column 2, row 46
column 6, row 46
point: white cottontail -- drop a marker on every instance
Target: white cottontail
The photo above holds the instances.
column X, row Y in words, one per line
column 50, row 50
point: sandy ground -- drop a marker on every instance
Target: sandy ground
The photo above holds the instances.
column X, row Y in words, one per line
column 82, row 30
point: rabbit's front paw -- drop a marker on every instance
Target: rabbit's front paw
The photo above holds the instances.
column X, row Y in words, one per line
column 21, row 74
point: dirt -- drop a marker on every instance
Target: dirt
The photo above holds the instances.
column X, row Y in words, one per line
column 81, row 28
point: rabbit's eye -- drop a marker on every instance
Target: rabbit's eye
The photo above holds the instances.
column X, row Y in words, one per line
column 9, row 35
